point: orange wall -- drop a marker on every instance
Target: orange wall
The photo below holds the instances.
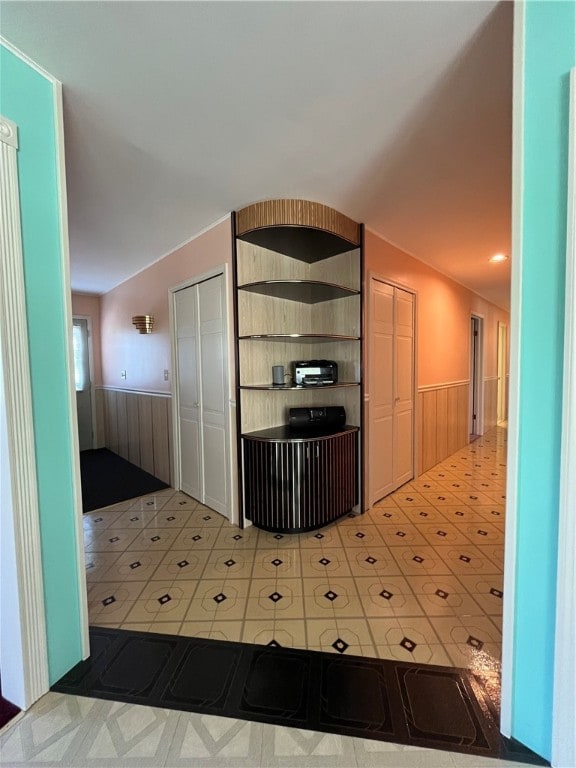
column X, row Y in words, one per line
column 443, row 314
column 89, row 306
column 145, row 357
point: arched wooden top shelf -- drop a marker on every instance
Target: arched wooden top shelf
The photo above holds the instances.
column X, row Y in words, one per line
column 299, row 228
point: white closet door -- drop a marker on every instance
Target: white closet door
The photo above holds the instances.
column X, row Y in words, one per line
column 381, row 404
column 191, row 470
column 404, row 387
column 213, row 394
column 391, row 388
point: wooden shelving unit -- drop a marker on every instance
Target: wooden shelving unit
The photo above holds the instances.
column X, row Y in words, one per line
column 298, row 278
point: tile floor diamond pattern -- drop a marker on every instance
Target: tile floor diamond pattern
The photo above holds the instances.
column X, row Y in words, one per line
column 428, row 558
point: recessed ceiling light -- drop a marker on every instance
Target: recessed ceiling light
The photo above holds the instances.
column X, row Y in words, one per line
column 498, row 257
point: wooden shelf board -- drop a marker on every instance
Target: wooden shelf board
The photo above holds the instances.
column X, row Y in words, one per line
column 306, row 291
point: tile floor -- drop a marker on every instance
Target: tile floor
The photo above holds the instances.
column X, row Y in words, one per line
column 63, row 730
column 417, row 578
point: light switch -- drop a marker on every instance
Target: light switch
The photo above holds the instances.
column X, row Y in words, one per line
column 165, row 374
column 122, row 374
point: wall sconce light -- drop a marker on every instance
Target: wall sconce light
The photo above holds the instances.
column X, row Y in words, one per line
column 144, row 323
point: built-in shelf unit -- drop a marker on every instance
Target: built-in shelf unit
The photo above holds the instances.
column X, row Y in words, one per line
column 298, row 296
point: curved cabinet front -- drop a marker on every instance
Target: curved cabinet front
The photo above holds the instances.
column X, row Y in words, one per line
column 292, row 485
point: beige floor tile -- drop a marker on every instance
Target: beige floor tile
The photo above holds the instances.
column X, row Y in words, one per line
column 134, row 519
column 170, row 518
column 463, row 655
column 150, row 502
column 289, row 606
column 393, row 632
column 121, row 591
column 232, row 536
column 276, row 563
column 112, row 540
column 161, row 609
column 165, row 627
column 441, row 534
column 355, row 631
column 97, row 563
column 217, row 630
column 466, row 560
column 425, row 514
column 322, row 633
column 386, row 502
column 334, row 597
column 180, row 502
column 133, row 566
column 192, row 539
column 260, row 588
column 473, row 632
column 326, row 537
column 135, row 626
column 421, row 654
column 196, row 628
column 460, row 514
column 288, row 634
column 155, row 539
column 270, row 540
column 324, row 562
column 390, row 596
column 476, row 498
column 419, row 560
column 361, row 535
column 207, row 608
column 112, row 612
column 378, row 515
column 406, row 499
column 442, row 499
column 453, row 604
column 483, row 533
column 100, row 519
column 181, row 565
column 226, row 564
column 373, row 560
column 260, row 609
column 400, row 534
column 233, row 588
column 205, row 518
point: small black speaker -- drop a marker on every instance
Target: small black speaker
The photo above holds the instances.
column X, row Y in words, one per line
column 327, row 417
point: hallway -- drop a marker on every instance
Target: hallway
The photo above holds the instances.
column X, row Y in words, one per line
column 417, row 578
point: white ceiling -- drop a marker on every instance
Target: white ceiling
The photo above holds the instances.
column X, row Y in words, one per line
column 395, row 113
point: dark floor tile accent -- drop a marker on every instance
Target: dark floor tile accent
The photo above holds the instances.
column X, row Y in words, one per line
column 415, row 704
column 354, row 697
column 202, row 678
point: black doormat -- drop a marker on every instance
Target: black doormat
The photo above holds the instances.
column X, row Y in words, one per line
column 425, row 706
column 7, row 710
column 108, row 478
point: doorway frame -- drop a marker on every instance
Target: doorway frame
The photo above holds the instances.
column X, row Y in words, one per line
column 91, row 373
column 230, row 419
column 373, row 275
column 501, row 357
column 477, row 379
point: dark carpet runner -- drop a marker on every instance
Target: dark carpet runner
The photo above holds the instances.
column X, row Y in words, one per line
column 421, row 705
column 108, row 478
column 7, row 709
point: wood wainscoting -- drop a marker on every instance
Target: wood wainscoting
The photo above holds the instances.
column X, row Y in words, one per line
column 138, row 427
column 442, row 422
column 490, row 402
